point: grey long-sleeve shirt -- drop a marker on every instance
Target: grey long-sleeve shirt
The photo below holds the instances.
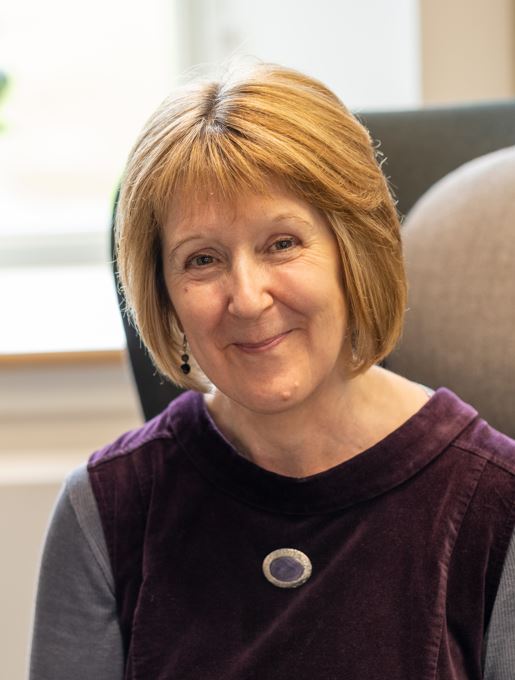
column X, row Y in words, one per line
column 76, row 631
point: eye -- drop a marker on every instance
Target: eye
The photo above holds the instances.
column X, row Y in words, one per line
column 284, row 243
column 199, row 261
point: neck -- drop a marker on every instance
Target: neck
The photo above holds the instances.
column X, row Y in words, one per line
column 336, row 424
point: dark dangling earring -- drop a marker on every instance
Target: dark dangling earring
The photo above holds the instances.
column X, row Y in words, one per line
column 185, row 367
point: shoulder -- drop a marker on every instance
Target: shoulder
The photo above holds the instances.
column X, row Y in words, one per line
column 124, row 474
column 481, row 439
column 76, row 607
column 492, row 453
column 165, row 427
column 462, row 427
column 75, row 536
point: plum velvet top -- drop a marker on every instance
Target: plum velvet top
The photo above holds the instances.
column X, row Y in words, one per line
column 395, row 556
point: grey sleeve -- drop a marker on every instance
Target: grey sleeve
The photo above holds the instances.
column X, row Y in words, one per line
column 76, row 632
column 500, row 636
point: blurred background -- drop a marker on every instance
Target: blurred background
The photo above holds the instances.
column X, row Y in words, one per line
column 77, row 82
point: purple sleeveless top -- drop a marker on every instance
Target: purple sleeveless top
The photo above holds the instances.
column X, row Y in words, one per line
column 405, row 542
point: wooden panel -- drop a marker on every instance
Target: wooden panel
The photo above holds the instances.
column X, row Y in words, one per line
column 60, row 358
column 468, row 50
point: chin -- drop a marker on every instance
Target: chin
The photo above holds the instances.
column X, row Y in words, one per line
column 272, row 399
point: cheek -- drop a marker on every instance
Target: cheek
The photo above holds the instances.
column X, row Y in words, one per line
column 198, row 307
column 314, row 290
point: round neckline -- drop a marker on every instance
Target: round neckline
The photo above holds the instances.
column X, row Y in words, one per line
column 386, row 464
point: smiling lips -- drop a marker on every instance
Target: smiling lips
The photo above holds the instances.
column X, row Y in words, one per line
column 252, row 347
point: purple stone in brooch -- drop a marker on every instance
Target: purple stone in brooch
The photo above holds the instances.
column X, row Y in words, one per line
column 287, row 568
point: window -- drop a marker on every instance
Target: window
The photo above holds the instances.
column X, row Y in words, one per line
column 81, row 79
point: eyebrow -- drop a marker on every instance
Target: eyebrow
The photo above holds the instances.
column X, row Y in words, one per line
column 286, row 217
column 281, row 217
column 180, row 243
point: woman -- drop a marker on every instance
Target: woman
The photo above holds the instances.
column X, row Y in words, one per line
column 300, row 512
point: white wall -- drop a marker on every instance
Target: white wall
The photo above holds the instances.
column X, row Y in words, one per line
column 51, row 419
column 367, row 51
column 24, row 512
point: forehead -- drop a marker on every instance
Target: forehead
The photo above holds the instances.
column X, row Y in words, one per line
column 190, row 213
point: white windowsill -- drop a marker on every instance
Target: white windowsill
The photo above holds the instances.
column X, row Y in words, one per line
column 59, row 309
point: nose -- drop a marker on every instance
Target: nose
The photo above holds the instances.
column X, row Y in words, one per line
column 249, row 288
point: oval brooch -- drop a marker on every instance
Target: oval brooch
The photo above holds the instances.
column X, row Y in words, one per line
column 287, row 568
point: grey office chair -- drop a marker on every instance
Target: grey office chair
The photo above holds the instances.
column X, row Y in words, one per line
column 459, row 331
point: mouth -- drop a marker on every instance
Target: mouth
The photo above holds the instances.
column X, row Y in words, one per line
column 263, row 346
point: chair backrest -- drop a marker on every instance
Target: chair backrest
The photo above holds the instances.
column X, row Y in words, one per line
column 459, row 331
column 421, row 146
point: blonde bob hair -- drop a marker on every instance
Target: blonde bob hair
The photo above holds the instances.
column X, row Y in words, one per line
column 239, row 133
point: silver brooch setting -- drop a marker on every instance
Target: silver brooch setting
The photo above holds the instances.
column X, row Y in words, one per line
column 287, row 568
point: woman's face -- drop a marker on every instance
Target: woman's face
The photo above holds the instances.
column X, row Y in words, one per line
column 257, row 288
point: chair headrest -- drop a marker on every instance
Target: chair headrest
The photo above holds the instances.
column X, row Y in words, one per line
column 459, row 243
